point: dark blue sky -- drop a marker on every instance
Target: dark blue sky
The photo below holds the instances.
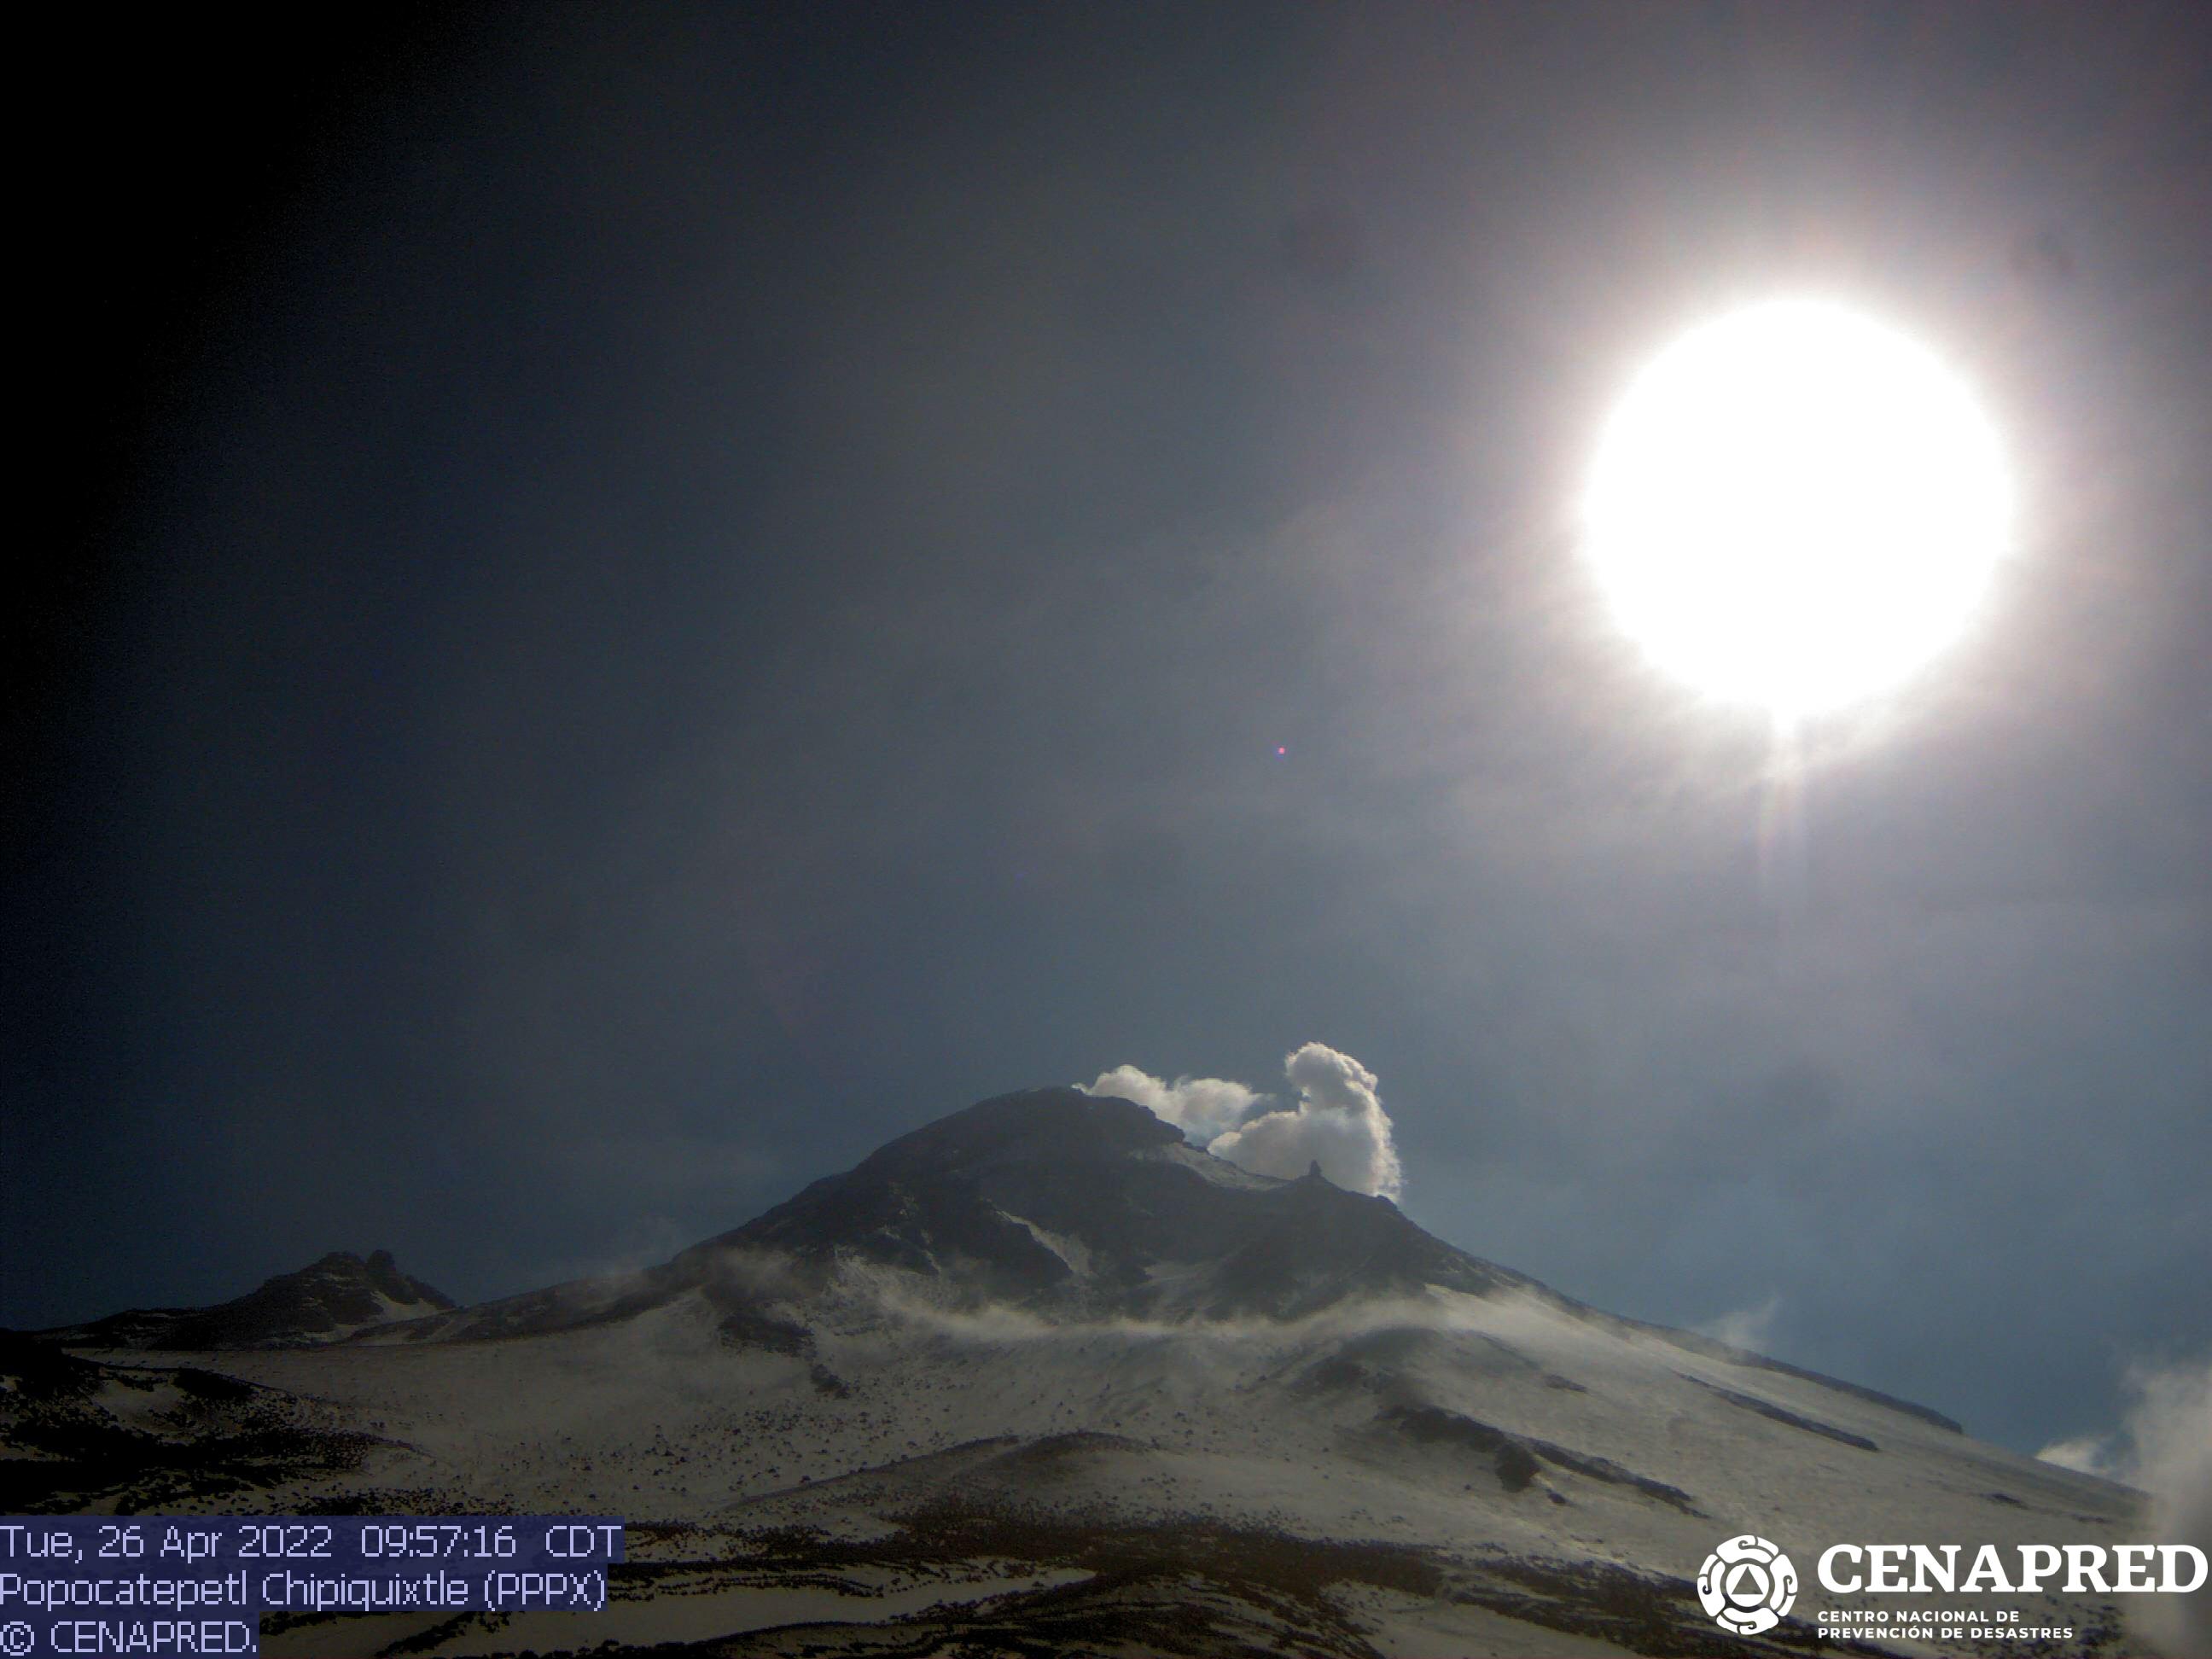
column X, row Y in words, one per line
column 657, row 595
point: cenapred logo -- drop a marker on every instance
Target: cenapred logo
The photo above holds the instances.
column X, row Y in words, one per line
column 1746, row 1585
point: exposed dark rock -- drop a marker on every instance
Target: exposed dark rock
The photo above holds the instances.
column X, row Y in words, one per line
column 1776, row 1413
column 1516, row 1457
column 323, row 1302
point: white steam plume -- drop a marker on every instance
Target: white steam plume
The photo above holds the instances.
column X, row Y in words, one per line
column 1338, row 1121
column 1203, row 1108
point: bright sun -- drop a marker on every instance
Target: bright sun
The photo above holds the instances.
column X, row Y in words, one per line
column 1795, row 506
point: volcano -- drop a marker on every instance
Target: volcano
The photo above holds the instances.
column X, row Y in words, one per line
column 1040, row 1376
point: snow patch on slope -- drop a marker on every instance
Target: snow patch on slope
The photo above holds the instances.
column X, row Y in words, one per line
column 1071, row 1251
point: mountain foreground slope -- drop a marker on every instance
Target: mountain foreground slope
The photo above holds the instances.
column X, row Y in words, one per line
column 1040, row 1377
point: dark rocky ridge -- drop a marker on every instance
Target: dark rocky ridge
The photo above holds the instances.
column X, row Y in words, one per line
column 324, row 1301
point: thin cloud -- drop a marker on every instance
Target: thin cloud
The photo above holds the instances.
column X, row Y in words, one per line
column 2165, row 1447
column 1751, row 1327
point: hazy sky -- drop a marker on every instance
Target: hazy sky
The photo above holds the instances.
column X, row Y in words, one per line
column 659, row 595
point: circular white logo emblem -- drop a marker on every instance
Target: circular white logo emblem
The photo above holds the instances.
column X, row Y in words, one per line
column 1746, row 1585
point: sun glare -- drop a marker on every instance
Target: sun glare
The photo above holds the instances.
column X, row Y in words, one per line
column 1796, row 506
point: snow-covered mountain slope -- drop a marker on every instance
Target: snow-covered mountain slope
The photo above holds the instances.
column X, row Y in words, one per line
column 1068, row 1207
column 324, row 1301
column 76, row 1433
column 1040, row 1378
